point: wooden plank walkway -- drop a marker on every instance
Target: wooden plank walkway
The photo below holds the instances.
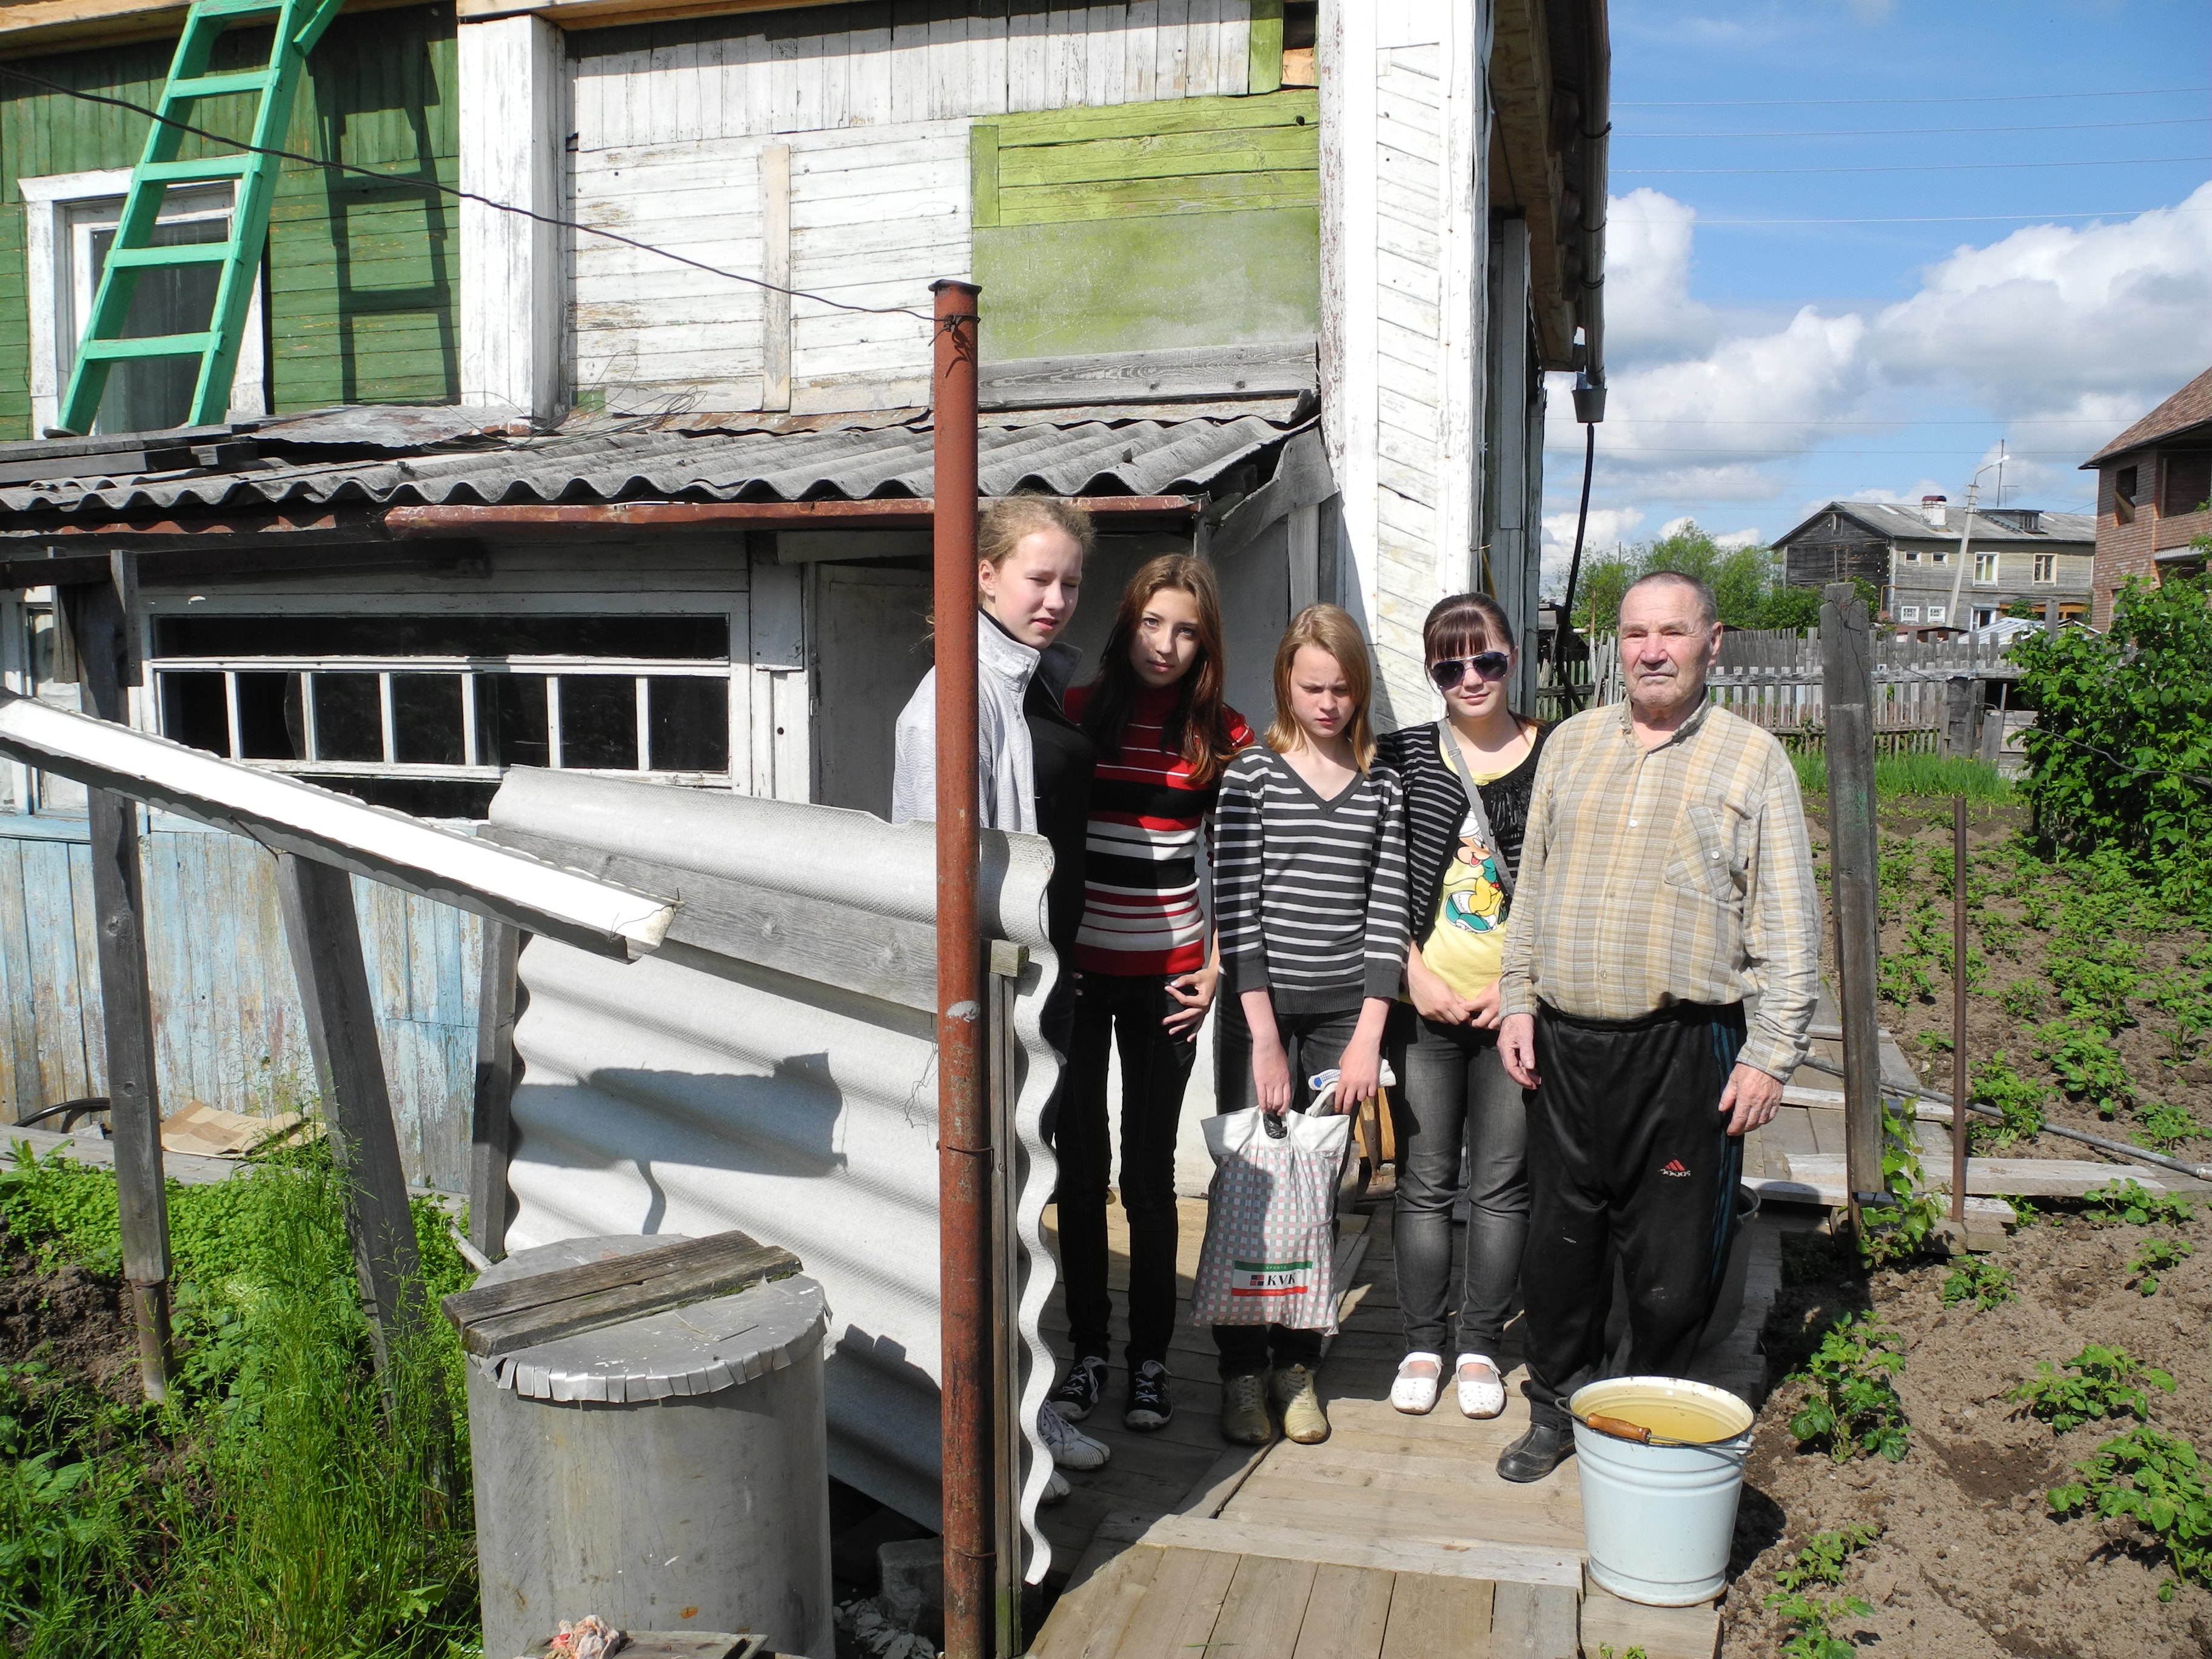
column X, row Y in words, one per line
column 1395, row 1536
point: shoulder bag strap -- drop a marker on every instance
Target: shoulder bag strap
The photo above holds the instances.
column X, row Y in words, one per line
column 1457, row 761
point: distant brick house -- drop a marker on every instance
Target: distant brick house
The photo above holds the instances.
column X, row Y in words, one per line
column 2152, row 483
column 2020, row 555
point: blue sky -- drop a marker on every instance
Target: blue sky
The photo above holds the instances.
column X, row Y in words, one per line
column 2045, row 278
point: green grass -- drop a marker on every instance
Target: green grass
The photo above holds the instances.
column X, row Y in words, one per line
column 287, row 1502
column 1911, row 775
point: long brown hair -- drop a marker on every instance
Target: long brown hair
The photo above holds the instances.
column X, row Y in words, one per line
column 1197, row 726
column 1326, row 627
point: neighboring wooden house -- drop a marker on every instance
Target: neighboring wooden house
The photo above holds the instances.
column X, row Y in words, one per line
column 2020, row 556
column 1297, row 319
column 2154, row 494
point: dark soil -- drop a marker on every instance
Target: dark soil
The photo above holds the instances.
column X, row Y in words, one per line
column 68, row 1317
column 1971, row 1564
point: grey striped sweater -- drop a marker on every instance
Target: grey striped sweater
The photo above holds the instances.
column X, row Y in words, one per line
column 1310, row 895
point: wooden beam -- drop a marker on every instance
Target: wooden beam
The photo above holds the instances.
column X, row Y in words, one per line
column 1847, row 651
column 324, row 934
column 622, row 519
column 492, row 1119
column 33, row 27
column 599, row 14
column 1520, row 78
column 775, row 270
column 1446, row 1557
column 1284, row 367
column 100, row 625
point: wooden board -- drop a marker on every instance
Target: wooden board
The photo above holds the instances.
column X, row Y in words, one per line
column 2033, row 1177
column 1438, row 1619
column 1662, row 1632
column 1450, row 1558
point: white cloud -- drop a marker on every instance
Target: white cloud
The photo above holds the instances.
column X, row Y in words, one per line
column 1749, row 538
column 1608, row 527
column 1649, row 310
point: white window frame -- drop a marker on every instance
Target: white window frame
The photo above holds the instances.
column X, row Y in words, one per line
column 1985, row 570
column 1909, row 613
column 1935, row 614
column 2046, row 570
column 61, row 211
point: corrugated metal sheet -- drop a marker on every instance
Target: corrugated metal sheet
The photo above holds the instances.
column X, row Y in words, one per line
column 227, row 1020
column 1093, row 457
column 701, row 1089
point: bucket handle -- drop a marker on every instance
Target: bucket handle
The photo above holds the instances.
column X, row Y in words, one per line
column 1619, row 1428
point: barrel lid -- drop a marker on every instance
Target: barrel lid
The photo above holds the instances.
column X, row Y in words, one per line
column 698, row 1349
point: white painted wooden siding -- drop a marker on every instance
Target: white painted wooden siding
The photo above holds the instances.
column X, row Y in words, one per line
column 746, row 84
column 877, row 215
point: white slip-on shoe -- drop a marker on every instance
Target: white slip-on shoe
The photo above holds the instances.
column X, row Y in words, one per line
column 1483, row 1393
column 1413, row 1392
column 1070, row 1447
column 1055, row 1488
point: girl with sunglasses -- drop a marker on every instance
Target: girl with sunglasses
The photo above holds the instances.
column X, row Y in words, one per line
column 1468, row 779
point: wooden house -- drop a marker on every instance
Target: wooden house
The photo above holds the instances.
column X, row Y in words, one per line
column 2155, row 495
column 2020, row 555
column 636, row 480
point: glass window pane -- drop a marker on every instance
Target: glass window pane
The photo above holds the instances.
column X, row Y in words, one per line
column 425, row 798
column 598, row 722
column 682, row 639
column 348, row 718
column 511, row 720
column 269, row 723
column 147, row 394
column 426, row 718
column 193, row 711
column 688, row 720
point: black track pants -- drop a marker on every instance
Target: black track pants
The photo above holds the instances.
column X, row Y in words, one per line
column 1627, row 1152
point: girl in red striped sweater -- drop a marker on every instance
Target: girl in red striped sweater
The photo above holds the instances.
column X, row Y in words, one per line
column 1145, row 962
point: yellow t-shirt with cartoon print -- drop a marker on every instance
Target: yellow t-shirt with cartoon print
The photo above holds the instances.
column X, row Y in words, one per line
column 1466, row 948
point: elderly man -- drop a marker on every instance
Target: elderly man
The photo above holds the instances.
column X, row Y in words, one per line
column 1665, row 884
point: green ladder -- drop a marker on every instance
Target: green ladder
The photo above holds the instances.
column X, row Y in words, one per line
column 299, row 24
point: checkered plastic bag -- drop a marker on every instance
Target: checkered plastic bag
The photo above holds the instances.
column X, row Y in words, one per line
column 1269, row 1257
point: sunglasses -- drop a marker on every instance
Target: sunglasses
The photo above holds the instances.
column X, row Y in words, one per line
column 1490, row 665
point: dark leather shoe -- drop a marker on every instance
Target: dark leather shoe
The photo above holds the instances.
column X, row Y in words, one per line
column 1536, row 1452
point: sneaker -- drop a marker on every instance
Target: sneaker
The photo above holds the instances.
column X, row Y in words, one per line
column 1244, row 1411
column 1055, row 1489
column 1150, row 1407
column 1070, row 1447
column 1080, row 1390
column 1303, row 1420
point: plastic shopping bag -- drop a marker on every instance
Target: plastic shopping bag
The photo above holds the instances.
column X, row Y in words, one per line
column 1269, row 1257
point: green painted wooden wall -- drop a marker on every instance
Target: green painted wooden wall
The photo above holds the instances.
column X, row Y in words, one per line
column 1141, row 226
column 363, row 277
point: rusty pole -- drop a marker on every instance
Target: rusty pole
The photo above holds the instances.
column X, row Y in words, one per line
column 963, row 1129
column 1958, row 1011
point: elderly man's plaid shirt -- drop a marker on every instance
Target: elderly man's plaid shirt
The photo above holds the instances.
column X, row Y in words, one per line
column 1675, row 874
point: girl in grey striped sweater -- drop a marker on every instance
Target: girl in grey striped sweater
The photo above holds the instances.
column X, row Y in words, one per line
column 1310, row 897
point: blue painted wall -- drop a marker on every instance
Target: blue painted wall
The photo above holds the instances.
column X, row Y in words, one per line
column 227, row 1013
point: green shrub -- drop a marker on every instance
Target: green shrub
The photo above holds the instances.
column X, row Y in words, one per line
column 2097, row 1382
column 2157, row 1480
column 2122, row 745
column 1980, row 1281
column 2131, row 1202
column 2157, row 1256
column 1850, row 1403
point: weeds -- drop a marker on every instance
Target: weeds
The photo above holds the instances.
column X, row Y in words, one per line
column 1822, row 1559
column 1822, row 1562
column 2097, row 1383
column 1982, row 1283
column 1850, row 1403
column 1995, row 1083
column 2162, row 1124
column 1900, row 1231
column 2135, row 1204
column 2088, row 1066
column 2022, row 999
column 2158, row 1481
column 2158, row 1256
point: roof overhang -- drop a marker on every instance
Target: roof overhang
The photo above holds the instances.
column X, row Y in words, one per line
column 31, row 29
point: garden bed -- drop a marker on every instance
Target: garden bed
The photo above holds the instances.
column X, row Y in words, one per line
column 1957, row 1551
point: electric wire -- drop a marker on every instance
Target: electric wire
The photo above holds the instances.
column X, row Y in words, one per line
column 436, row 188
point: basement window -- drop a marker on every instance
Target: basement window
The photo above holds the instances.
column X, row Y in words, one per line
column 1910, row 613
column 424, row 712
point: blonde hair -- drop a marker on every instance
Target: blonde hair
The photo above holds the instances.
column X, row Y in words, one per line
column 1325, row 628
column 1010, row 518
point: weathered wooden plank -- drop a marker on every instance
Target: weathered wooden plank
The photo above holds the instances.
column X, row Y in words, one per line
column 1180, row 1606
column 1163, row 114
column 1152, row 376
column 492, row 1121
column 1265, row 1606
column 1230, row 192
column 1662, row 1632
column 699, row 1270
column 1089, row 1620
column 1438, row 1619
column 1455, row 1558
column 324, row 933
column 1535, row 1621
column 1347, row 1611
column 2032, row 1177
column 1162, row 155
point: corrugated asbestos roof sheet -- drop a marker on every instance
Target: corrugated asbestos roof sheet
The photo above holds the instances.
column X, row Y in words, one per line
column 1905, row 523
column 1087, row 458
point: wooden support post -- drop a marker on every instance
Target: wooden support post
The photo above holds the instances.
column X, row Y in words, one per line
column 491, row 1122
column 324, row 936
column 97, row 620
column 1959, row 1012
column 1847, row 654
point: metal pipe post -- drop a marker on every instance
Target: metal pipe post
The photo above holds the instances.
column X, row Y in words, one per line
column 1847, row 653
column 963, row 1130
column 1959, row 1009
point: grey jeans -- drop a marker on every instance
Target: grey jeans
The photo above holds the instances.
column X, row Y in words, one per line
column 1455, row 1100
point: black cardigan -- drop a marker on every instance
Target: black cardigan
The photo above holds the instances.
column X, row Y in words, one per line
column 1435, row 806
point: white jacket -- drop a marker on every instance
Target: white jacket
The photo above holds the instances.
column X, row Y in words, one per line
column 1006, row 762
